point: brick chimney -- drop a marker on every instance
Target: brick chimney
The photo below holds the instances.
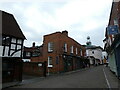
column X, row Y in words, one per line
column 33, row 45
column 65, row 33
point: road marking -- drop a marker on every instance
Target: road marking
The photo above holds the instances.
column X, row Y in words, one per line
column 106, row 79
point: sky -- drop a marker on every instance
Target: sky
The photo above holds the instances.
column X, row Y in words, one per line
column 81, row 18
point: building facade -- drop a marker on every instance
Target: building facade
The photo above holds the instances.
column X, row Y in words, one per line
column 61, row 52
column 33, row 51
column 105, row 57
column 96, row 52
column 12, row 37
column 11, row 50
column 112, row 45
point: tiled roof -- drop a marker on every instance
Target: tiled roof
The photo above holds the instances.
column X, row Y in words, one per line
column 10, row 26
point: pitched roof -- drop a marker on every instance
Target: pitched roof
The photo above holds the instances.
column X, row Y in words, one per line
column 94, row 47
column 63, row 34
column 10, row 26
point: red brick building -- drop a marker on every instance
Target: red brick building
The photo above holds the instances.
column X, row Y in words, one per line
column 112, row 38
column 114, row 19
column 61, row 52
column 33, row 51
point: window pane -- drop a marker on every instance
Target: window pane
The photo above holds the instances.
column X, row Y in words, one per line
column 28, row 54
column 65, row 47
column 7, row 40
column 19, row 41
column 71, row 49
column 49, row 60
column 14, row 40
column 57, row 60
column 50, row 47
column 81, row 52
column 18, row 47
column 76, row 51
column 13, row 46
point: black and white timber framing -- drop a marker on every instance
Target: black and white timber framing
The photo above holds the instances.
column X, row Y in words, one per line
column 11, row 36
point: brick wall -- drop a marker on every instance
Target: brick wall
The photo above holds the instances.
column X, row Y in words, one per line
column 58, row 40
column 32, row 68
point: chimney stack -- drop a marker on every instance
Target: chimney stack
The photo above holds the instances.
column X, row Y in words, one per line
column 65, row 32
column 33, row 44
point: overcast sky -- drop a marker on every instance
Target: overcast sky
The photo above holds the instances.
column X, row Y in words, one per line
column 81, row 18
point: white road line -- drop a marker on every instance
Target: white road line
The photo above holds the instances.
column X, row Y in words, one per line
column 106, row 79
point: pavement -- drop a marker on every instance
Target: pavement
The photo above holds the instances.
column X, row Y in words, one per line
column 111, row 78
column 93, row 77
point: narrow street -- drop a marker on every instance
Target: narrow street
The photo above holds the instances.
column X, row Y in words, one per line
column 93, row 77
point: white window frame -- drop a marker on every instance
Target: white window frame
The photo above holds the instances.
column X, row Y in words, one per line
column 50, row 65
column 50, row 47
column 71, row 49
column 65, row 47
column 13, row 40
column 28, row 54
column 76, row 51
column 81, row 52
column 115, row 21
column 19, row 41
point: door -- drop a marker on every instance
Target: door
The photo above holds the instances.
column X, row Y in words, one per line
column 65, row 64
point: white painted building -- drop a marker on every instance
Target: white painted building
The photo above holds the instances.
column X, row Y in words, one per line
column 96, row 52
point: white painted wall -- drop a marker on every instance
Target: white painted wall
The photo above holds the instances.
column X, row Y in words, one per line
column 12, row 46
column 11, row 52
column 104, row 53
column 18, row 47
column 1, row 51
column 6, row 51
column 91, row 61
column 26, row 60
column 17, row 54
column 97, row 53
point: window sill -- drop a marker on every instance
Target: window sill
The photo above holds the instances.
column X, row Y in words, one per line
column 50, row 66
column 50, row 51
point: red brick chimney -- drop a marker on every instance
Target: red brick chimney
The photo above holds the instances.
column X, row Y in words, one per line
column 65, row 33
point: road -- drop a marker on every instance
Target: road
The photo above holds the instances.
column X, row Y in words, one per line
column 94, row 77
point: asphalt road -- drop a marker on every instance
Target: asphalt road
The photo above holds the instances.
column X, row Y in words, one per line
column 95, row 77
